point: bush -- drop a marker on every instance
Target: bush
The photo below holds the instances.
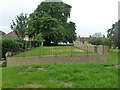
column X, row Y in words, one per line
column 9, row 45
column 107, row 42
column 96, row 41
column 4, row 64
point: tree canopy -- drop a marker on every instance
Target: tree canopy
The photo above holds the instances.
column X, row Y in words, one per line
column 114, row 35
column 50, row 19
column 96, row 39
column 49, row 27
column 58, row 10
column 20, row 25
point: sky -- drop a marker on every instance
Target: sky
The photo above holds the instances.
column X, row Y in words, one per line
column 90, row 16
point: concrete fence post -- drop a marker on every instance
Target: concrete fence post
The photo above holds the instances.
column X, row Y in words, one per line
column 103, row 49
column 95, row 48
column 87, row 50
column 8, row 54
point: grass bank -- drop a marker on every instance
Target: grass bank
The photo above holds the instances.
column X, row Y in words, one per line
column 53, row 51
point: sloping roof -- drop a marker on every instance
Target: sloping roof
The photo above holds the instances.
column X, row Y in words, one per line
column 83, row 39
column 10, row 35
column 2, row 33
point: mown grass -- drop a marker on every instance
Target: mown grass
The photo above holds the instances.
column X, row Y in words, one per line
column 113, row 56
column 63, row 75
column 53, row 51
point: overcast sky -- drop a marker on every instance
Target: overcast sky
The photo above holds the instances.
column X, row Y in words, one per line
column 90, row 16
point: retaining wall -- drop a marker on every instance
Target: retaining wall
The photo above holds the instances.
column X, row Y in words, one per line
column 102, row 57
column 19, row 61
column 94, row 48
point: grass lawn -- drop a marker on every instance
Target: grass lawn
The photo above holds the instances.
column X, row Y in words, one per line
column 53, row 50
column 113, row 57
column 63, row 75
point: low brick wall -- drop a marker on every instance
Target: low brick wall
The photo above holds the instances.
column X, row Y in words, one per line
column 19, row 61
column 90, row 48
column 102, row 49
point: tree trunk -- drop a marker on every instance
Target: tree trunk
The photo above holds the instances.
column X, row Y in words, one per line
column 47, row 43
column 55, row 43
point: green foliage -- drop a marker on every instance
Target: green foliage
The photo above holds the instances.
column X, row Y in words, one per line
column 4, row 64
column 88, row 43
column 19, row 26
column 97, row 35
column 107, row 42
column 114, row 57
column 97, row 39
column 50, row 19
column 9, row 45
column 113, row 34
column 39, row 38
column 49, row 27
column 58, row 10
column 71, row 32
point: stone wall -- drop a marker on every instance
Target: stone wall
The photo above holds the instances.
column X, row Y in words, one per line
column 94, row 48
column 19, row 61
column 102, row 57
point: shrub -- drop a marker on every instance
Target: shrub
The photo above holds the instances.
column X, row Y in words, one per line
column 107, row 42
column 96, row 41
column 4, row 64
column 9, row 45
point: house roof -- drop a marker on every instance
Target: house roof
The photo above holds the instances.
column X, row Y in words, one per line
column 11, row 35
column 2, row 33
column 83, row 38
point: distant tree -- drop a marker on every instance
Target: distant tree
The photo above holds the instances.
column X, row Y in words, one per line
column 97, row 35
column 96, row 39
column 113, row 34
column 107, row 42
column 20, row 25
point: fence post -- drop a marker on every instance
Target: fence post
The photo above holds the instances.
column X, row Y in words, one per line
column 39, row 52
column 87, row 50
column 103, row 49
column 71, row 51
column 55, row 52
column 95, row 49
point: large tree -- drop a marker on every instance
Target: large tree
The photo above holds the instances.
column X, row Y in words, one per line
column 58, row 10
column 71, row 32
column 96, row 39
column 49, row 27
column 50, row 18
column 20, row 25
